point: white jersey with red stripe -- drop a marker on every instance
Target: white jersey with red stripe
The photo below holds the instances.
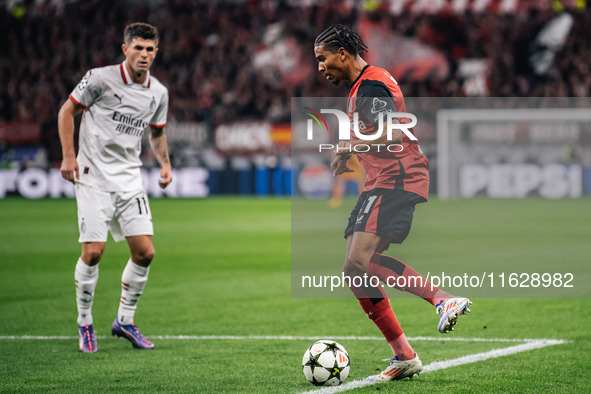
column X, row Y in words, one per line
column 117, row 112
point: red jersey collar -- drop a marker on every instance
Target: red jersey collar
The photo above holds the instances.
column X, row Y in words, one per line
column 360, row 74
column 127, row 78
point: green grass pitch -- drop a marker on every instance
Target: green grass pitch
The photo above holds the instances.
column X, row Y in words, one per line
column 222, row 268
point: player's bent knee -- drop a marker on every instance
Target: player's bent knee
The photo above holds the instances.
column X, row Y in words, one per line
column 149, row 256
column 354, row 266
column 91, row 254
column 144, row 257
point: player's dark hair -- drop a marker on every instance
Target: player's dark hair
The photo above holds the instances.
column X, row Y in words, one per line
column 338, row 36
column 140, row 30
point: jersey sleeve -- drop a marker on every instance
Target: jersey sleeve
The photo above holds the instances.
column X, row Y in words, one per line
column 159, row 119
column 88, row 89
column 374, row 99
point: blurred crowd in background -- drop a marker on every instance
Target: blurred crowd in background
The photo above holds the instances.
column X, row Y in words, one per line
column 220, row 61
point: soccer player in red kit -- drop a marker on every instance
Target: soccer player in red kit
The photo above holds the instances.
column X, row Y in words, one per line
column 395, row 182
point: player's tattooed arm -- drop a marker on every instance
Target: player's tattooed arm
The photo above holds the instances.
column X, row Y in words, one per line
column 160, row 149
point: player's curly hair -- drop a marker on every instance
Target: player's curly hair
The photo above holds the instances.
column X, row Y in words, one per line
column 140, row 30
column 338, row 36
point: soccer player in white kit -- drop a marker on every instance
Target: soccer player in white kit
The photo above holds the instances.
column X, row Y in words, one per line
column 118, row 104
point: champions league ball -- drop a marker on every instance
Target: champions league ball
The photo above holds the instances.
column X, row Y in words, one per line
column 326, row 363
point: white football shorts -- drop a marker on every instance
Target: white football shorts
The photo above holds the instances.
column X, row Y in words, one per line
column 124, row 214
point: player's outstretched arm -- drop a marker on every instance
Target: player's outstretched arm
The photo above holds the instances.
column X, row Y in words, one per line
column 160, row 149
column 340, row 158
column 65, row 125
column 338, row 166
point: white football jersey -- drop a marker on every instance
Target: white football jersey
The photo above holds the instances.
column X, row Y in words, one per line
column 116, row 114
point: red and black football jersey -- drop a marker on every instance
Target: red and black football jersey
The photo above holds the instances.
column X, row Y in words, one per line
column 376, row 93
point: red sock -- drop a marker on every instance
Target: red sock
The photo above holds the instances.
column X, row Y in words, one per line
column 389, row 270
column 378, row 309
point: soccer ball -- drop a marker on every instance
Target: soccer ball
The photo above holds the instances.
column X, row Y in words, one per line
column 326, row 363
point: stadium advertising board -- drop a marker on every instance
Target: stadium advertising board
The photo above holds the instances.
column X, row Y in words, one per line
column 189, row 134
column 250, row 137
column 36, row 183
column 20, row 132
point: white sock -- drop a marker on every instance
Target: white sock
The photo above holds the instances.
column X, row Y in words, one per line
column 133, row 281
column 86, row 278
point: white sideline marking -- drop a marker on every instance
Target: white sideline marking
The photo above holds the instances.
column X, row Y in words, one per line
column 279, row 337
column 437, row 365
column 434, row 366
